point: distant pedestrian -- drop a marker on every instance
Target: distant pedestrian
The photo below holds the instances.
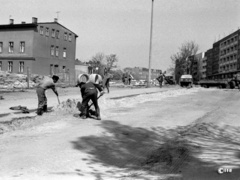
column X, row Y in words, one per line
column 44, row 84
column 106, row 79
column 129, row 78
column 125, row 76
column 160, row 79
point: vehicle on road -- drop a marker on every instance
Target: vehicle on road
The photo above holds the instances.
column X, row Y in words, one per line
column 186, row 80
column 227, row 83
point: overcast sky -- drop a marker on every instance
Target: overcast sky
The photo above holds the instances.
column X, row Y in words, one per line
column 122, row 27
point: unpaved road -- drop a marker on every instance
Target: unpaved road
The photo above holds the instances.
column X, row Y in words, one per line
column 195, row 130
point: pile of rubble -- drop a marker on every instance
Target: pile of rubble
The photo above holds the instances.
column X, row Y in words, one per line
column 12, row 80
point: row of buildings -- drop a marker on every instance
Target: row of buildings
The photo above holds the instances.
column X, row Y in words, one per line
column 221, row 61
column 44, row 48
column 140, row 73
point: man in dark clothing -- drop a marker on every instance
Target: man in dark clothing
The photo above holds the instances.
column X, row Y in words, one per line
column 89, row 92
column 106, row 79
column 160, row 79
column 44, row 84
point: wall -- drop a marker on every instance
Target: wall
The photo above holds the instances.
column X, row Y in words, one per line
column 42, row 50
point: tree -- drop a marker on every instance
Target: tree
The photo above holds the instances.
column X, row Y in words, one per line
column 181, row 59
column 117, row 74
column 111, row 60
column 97, row 63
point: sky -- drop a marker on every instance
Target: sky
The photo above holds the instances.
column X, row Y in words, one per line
column 122, row 27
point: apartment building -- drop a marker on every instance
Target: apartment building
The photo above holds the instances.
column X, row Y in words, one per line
column 208, row 56
column 44, row 48
column 226, row 56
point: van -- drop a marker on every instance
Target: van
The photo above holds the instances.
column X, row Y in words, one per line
column 186, row 80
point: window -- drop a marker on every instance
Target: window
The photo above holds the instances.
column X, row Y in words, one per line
column 21, row 66
column 10, row 66
column 0, row 65
column 52, row 51
column 41, row 30
column 47, row 31
column 57, row 51
column 64, row 52
column 22, row 47
column 64, row 69
column 10, row 47
column 53, row 33
column 70, row 37
column 51, row 69
column 1, row 47
column 56, row 70
column 57, row 34
column 65, row 36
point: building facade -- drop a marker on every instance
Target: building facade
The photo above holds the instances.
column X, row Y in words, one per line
column 41, row 48
column 226, row 57
column 208, row 55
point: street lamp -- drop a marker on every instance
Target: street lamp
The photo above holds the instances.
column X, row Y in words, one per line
column 150, row 49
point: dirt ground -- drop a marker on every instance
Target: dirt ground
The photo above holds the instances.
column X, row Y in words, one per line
column 172, row 133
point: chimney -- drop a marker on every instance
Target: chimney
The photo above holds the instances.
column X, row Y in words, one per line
column 23, row 22
column 11, row 21
column 55, row 19
column 34, row 20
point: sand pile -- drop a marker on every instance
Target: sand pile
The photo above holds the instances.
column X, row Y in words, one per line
column 70, row 105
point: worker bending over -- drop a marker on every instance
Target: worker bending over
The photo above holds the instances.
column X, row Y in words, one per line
column 89, row 91
column 44, row 84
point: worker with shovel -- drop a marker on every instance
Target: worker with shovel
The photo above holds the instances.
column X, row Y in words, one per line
column 89, row 91
column 44, row 84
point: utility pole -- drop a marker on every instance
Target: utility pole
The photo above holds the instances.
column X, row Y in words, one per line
column 150, row 49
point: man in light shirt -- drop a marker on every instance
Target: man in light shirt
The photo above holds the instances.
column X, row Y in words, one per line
column 44, row 84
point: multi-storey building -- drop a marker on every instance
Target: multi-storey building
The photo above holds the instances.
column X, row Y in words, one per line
column 204, row 68
column 226, row 56
column 208, row 55
column 45, row 48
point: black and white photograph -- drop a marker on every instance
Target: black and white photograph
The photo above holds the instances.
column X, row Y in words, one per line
column 120, row 90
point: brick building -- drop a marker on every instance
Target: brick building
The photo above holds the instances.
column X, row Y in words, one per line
column 44, row 48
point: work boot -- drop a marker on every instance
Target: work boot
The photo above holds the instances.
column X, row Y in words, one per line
column 45, row 108
column 84, row 117
column 39, row 112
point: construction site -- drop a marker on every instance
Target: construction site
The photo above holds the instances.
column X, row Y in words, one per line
column 145, row 133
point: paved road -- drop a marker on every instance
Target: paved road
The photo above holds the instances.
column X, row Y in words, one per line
column 188, row 122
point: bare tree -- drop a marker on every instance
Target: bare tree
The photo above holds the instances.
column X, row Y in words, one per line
column 96, row 62
column 181, row 58
column 111, row 60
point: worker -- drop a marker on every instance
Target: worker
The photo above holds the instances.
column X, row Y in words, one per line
column 89, row 92
column 130, row 77
column 44, row 84
column 106, row 79
column 160, row 79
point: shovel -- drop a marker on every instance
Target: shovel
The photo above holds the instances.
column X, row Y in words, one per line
column 58, row 100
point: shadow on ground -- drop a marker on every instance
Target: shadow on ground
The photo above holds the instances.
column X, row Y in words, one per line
column 166, row 152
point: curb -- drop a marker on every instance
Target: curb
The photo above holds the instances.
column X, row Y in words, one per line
column 133, row 95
